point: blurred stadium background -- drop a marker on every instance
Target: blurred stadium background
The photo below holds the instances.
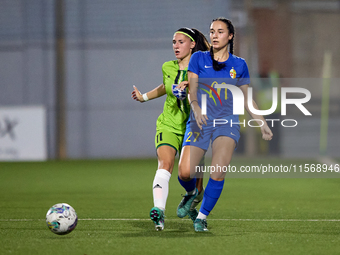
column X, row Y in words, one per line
column 107, row 46
column 66, row 73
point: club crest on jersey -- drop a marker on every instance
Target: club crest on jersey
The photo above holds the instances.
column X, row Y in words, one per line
column 232, row 73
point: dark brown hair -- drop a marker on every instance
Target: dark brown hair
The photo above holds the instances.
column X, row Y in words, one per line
column 202, row 43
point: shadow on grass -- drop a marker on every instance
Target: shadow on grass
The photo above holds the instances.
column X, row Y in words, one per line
column 59, row 237
column 171, row 230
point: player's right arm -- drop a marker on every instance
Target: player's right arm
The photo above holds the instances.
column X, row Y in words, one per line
column 193, row 86
column 152, row 94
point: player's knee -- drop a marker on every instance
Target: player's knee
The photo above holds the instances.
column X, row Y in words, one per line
column 184, row 172
column 165, row 164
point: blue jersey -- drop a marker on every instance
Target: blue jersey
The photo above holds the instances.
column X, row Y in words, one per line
column 219, row 100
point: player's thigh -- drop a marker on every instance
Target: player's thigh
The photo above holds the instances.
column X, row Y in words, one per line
column 166, row 157
column 223, row 148
column 167, row 144
column 189, row 162
column 195, row 144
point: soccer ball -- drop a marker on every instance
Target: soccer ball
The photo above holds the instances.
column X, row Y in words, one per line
column 181, row 95
column 61, row 219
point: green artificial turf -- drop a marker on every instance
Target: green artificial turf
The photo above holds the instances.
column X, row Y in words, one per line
column 113, row 197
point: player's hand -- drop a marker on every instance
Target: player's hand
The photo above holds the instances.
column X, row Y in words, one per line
column 266, row 133
column 200, row 119
column 136, row 95
column 182, row 85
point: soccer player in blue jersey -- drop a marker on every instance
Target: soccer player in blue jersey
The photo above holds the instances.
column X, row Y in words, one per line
column 205, row 71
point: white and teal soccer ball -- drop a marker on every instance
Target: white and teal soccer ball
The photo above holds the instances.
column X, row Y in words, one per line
column 61, row 219
column 181, row 95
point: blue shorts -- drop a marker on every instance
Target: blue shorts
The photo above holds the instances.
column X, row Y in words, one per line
column 202, row 138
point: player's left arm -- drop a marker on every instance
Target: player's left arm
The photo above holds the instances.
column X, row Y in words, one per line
column 265, row 130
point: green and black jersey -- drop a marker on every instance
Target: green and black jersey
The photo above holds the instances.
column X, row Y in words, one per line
column 176, row 112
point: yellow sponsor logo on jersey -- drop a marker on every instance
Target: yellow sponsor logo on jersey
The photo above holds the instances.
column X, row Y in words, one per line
column 218, row 90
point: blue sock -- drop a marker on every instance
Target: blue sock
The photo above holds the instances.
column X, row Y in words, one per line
column 212, row 193
column 188, row 186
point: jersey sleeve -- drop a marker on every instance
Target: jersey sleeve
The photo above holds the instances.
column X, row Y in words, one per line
column 244, row 78
column 164, row 72
column 194, row 63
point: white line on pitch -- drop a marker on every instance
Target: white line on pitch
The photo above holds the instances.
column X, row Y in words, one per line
column 219, row 219
column 273, row 220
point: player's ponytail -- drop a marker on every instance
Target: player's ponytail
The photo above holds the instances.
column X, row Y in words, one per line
column 202, row 43
column 217, row 66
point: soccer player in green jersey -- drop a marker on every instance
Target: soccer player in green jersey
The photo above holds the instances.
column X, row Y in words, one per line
column 171, row 123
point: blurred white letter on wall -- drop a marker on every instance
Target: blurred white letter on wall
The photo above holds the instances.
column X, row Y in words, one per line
column 23, row 133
